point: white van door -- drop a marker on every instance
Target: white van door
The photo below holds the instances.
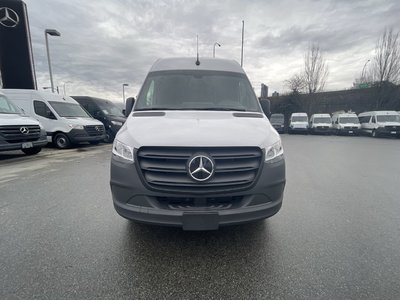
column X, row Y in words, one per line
column 45, row 116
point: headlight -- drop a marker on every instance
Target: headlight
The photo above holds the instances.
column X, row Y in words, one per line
column 117, row 123
column 122, row 150
column 74, row 126
column 274, row 151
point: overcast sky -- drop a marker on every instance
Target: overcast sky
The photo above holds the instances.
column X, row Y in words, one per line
column 105, row 43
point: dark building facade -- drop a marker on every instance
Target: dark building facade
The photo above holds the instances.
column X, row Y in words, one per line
column 16, row 59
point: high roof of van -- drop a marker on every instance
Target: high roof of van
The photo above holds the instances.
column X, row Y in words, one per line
column 321, row 115
column 48, row 96
column 299, row 114
column 378, row 113
column 189, row 63
column 346, row 115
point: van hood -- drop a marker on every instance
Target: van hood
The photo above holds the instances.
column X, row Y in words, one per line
column 15, row 119
column 82, row 121
column 389, row 124
column 198, row 129
column 299, row 124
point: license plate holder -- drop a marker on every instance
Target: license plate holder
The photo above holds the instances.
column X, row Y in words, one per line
column 200, row 221
column 27, row 145
column 350, row 131
column 393, row 132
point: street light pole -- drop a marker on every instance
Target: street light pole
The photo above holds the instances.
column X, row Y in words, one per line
column 363, row 71
column 51, row 32
column 215, row 44
column 123, row 92
column 241, row 56
column 65, row 93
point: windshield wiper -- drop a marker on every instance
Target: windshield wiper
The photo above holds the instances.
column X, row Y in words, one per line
column 221, row 108
column 155, row 108
column 193, row 108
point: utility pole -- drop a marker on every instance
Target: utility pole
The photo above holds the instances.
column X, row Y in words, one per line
column 241, row 59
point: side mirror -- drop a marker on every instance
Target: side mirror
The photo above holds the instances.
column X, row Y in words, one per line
column 129, row 105
column 266, row 107
column 123, row 111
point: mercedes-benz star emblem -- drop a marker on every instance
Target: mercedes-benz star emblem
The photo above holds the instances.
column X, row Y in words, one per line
column 24, row 130
column 8, row 17
column 97, row 128
column 201, row 168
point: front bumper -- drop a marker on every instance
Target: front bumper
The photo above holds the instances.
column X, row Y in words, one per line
column 80, row 135
column 387, row 132
column 5, row 146
column 279, row 128
column 298, row 129
column 134, row 201
column 321, row 130
column 349, row 131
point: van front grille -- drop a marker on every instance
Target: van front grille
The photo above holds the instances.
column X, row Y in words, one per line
column 94, row 130
column 20, row 133
column 392, row 128
column 166, row 168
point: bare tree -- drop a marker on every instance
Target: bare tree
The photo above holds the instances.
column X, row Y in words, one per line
column 386, row 63
column 385, row 67
column 315, row 69
column 296, row 83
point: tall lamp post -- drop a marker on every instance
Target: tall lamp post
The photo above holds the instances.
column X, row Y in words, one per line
column 123, row 92
column 65, row 92
column 363, row 71
column 51, row 32
column 215, row 44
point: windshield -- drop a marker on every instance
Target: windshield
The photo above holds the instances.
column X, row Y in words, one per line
column 7, row 107
column 322, row 120
column 388, row 118
column 69, row 110
column 109, row 108
column 299, row 119
column 349, row 120
column 197, row 90
column 277, row 118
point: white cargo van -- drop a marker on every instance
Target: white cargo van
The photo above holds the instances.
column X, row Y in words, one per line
column 19, row 132
column 64, row 120
column 197, row 151
column 380, row 123
column 345, row 123
column 298, row 123
column 321, row 123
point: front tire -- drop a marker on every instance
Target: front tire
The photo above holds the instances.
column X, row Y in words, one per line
column 109, row 137
column 32, row 151
column 61, row 141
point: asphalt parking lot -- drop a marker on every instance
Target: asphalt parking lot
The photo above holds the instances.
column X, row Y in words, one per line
column 337, row 235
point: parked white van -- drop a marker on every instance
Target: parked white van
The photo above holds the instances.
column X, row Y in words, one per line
column 64, row 120
column 380, row 123
column 298, row 123
column 17, row 131
column 345, row 123
column 321, row 123
column 197, row 151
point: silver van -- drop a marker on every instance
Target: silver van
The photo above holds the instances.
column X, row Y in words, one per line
column 196, row 150
column 18, row 131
